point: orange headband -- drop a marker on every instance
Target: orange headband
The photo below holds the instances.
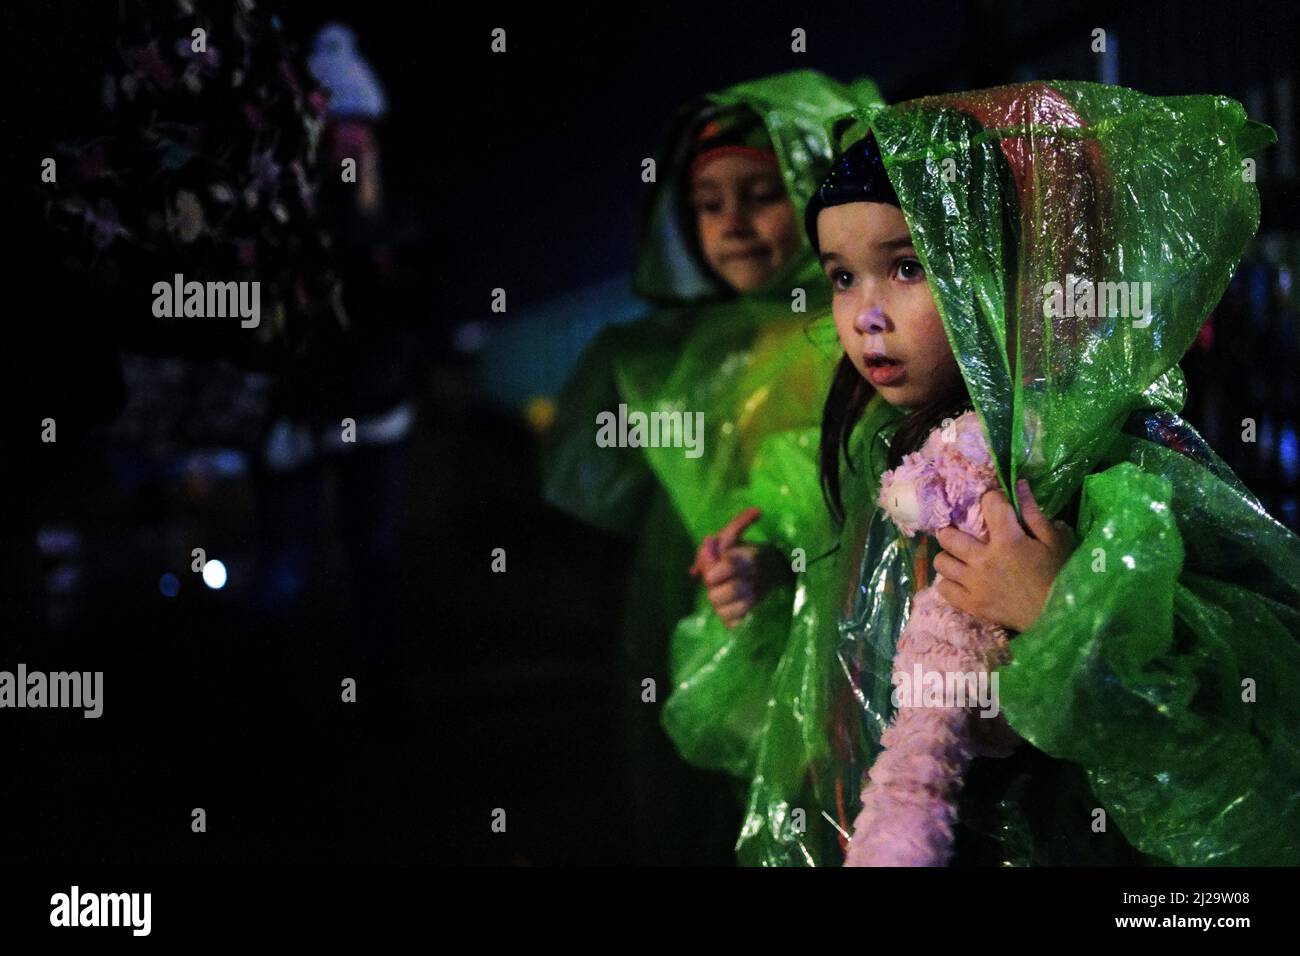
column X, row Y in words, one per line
column 717, row 152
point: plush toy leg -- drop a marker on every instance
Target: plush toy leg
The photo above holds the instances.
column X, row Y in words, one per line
column 909, row 804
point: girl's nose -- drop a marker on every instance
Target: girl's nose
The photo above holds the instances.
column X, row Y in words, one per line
column 736, row 219
column 870, row 321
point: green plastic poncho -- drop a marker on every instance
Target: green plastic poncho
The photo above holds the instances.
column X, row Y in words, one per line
column 1157, row 691
column 750, row 363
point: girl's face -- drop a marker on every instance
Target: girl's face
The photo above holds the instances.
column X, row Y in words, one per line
column 745, row 221
column 884, row 313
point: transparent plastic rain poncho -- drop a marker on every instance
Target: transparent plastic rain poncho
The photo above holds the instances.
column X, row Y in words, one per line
column 1161, row 683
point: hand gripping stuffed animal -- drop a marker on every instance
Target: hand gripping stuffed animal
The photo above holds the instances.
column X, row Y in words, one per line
column 909, row 804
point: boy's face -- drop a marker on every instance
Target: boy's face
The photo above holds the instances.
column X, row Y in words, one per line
column 745, row 221
column 882, row 303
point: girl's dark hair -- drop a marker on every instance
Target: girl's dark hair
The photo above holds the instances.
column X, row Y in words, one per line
column 845, row 403
column 847, row 400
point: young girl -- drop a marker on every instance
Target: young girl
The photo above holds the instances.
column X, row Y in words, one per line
column 1155, row 652
column 724, row 261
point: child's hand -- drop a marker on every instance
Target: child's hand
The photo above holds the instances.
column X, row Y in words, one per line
column 735, row 574
column 1006, row 579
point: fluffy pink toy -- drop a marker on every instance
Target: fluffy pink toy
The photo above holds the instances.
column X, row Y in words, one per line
column 909, row 803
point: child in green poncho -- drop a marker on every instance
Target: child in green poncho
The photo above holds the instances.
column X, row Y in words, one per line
column 724, row 259
column 1156, row 657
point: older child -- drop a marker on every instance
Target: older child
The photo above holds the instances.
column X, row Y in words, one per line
column 724, row 260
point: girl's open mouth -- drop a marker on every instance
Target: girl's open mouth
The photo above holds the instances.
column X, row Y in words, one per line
column 884, row 371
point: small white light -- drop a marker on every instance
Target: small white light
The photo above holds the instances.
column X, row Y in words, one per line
column 214, row 575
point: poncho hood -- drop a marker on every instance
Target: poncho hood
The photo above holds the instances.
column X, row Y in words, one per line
column 1075, row 237
column 796, row 109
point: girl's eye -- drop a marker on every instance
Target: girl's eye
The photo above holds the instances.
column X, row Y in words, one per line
column 767, row 195
column 840, row 280
column 708, row 206
column 910, row 270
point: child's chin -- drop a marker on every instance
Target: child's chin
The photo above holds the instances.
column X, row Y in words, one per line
column 747, row 280
column 900, row 396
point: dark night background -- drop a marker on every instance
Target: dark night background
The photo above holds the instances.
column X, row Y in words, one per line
column 524, row 168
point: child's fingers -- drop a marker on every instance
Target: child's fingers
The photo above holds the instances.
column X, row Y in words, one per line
column 711, row 553
column 705, row 556
column 950, row 567
column 735, row 590
column 735, row 563
column 1034, row 517
column 1065, row 533
column 734, row 528
column 953, row 593
column 958, row 543
column 999, row 515
column 733, row 613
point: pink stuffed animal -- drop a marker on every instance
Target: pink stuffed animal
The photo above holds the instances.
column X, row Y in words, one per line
column 909, row 804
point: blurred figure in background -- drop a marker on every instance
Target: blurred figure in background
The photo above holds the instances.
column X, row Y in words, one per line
column 346, row 404
column 724, row 262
